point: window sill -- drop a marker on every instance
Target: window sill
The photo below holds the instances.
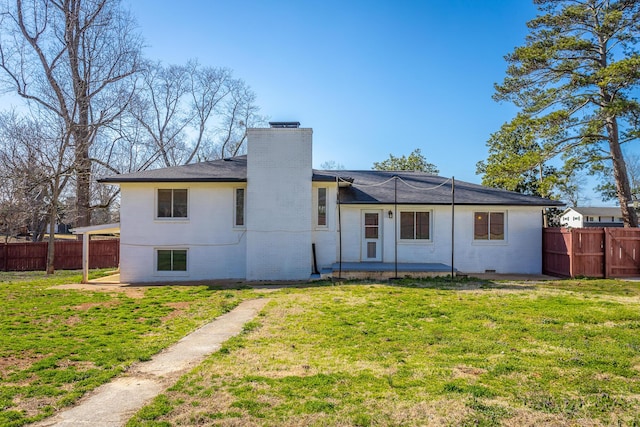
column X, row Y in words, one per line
column 172, row 220
column 415, row 242
column 171, row 273
column 490, row 242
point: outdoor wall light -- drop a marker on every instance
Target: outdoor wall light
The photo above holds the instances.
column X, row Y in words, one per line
column 390, row 213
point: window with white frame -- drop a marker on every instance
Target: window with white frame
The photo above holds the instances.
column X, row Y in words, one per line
column 239, row 207
column 488, row 226
column 322, row 207
column 415, row 225
column 171, row 259
column 172, row 203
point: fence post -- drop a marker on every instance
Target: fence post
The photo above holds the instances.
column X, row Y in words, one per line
column 544, row 250
column 5, row 255
column 606, row 260
column 572, row 251
column 86, row 239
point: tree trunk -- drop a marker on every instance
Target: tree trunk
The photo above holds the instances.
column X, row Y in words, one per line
column 623, row 189
column 53, row 219
column 81, row 138
column 80, row 129
column 620, row 176
column 51, row 247
column 83, row 185
column 545, row 217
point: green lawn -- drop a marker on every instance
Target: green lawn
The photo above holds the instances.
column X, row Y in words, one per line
column 56, row 344
column 416, row 353
column 423, row 353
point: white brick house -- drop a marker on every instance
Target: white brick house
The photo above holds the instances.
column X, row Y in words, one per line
column 269, row 216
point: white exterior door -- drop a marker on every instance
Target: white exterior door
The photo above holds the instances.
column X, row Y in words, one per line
column 371, row 236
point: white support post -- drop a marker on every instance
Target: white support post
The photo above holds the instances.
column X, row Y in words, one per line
column 85, row 257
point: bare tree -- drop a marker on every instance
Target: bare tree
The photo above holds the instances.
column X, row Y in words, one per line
column 572, row 189
column 23, row 180
column 14, row 212
column 75, row 59
column 188, row 113
column 633, row 169
column 331, row 165
column 38, row 158
column 239, row 113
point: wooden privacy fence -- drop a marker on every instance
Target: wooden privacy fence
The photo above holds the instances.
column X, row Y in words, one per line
column 68, row 255
column 591, row 252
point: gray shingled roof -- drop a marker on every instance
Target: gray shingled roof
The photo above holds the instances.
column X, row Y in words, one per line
column 421, row 188
column 228, row 170
column 595, row 211
column 364, row 187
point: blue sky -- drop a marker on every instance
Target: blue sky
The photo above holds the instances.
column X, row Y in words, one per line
column 370, row 77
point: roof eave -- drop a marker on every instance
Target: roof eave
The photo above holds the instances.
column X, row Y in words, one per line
column 377, row 202
column 148, row 180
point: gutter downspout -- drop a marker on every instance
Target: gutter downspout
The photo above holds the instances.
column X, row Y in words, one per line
column 339, row 228
column 453, row 222
column 395, row 222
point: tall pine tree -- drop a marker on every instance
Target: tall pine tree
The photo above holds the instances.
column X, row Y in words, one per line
column 574, row 81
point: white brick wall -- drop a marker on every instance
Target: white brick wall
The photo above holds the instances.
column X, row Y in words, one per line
column 279, row 204
column 325, row 238
column 520, row 252
column 216, row 250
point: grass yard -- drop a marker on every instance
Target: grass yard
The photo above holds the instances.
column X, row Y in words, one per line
column 561, row 353
column 56, row 344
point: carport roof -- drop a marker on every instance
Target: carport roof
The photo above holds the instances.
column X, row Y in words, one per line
column 113, row 228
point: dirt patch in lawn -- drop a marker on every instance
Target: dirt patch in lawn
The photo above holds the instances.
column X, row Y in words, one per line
column 463, row 371
column 11, row 363
column 72, row 320
column 33, row 405
column 88, row 305
column 130, row 291
column 178, row 309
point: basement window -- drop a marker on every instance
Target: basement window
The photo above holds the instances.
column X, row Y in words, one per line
column 171, row 260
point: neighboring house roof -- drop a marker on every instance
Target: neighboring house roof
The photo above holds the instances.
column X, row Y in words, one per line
column 363, row 187
column 601, row 224
column 616, row 212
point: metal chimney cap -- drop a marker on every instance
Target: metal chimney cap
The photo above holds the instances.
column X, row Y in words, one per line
column 294, row 125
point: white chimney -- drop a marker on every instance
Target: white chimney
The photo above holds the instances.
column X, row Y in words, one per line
column 279, row 204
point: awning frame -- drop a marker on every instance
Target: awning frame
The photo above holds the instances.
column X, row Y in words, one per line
column 86, row 233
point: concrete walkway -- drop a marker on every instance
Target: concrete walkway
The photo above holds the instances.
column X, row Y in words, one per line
column 112, row 404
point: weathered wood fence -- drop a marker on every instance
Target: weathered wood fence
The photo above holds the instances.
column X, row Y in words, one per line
column 591, row 252
column 68, row 255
